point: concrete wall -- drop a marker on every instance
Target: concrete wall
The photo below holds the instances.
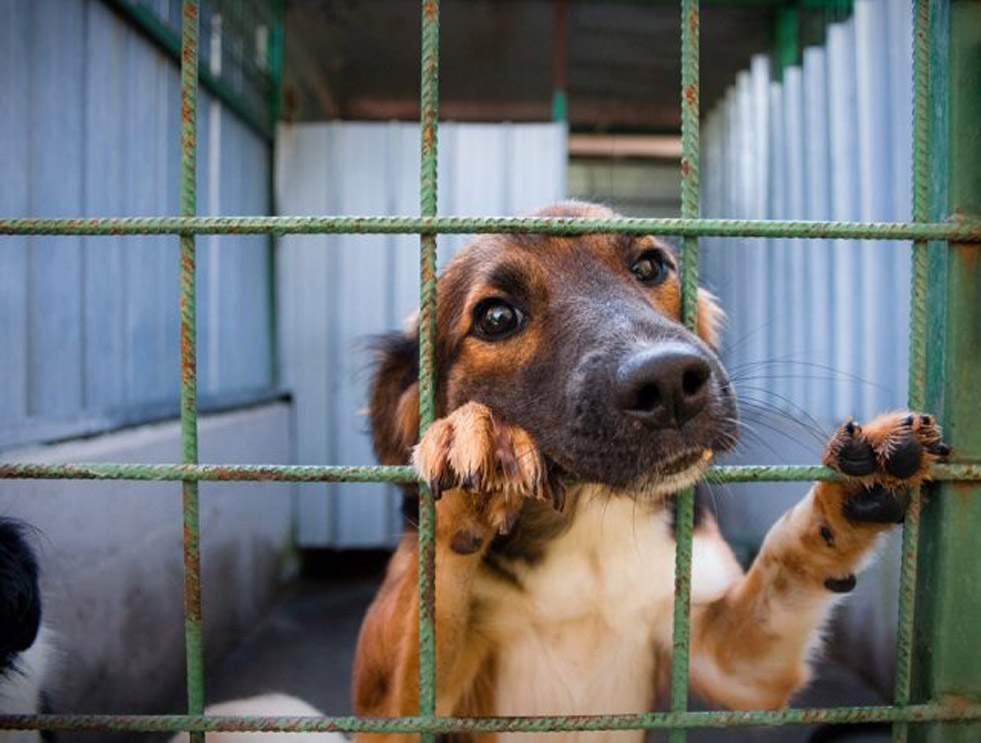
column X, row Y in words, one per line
column 111, row 556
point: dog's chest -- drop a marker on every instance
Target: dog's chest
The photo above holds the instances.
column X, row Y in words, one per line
column 579, row 637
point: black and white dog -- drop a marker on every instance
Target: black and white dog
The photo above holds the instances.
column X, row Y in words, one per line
column 24, row 648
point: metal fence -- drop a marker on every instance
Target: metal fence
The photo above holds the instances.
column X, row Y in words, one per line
column 944, row 292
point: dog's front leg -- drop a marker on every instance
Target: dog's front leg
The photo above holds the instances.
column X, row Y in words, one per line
column 750, row 648
column 481, row 470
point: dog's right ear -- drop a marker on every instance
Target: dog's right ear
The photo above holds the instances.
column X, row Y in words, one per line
column 394, row 409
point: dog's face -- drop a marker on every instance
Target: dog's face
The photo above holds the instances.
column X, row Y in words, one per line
column 578, row 340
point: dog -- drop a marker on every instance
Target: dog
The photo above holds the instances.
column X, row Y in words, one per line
column 563, row 360
column 24, row 643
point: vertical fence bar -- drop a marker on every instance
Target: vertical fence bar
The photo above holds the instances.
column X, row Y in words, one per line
column 917, row 349
column 188, row 350
column 946, row 631
column 689, row 288
column 429, row 109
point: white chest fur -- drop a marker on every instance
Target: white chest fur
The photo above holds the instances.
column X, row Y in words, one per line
column 581, row 637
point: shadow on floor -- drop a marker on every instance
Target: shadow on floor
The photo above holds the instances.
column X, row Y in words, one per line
column 305, row 648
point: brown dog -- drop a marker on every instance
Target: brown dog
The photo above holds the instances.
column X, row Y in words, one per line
column 563, row 358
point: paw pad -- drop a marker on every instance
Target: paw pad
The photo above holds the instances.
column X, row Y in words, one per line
column 886, row 456
column 894, row 449
column 841, row 585
column 875, row 505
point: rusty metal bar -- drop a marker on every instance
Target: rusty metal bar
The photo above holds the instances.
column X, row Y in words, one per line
column 917, row 352
column 954, row 713
column 193, row 638
column 429, row 113
column 946, row 631
column 966, row 230
column 405, row 474
column 690, row 160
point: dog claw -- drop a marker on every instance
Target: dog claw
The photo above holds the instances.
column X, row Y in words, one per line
column 904, row 460
column 856, row 457
column 466, row 543
column 557, row 491
column 509, row 521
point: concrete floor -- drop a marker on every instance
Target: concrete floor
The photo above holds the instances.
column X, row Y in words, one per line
column 305, row 647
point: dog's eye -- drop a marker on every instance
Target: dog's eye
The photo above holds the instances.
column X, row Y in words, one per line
column 650, row 268
column 495, row 319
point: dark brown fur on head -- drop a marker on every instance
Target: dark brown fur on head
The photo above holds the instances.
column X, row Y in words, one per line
column 585, row 315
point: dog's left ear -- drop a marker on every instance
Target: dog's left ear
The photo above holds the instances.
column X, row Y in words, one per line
column 394, row 408
column 710, row 318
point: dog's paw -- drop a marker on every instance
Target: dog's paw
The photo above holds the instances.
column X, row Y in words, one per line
column 472, row 451
column 886, row 456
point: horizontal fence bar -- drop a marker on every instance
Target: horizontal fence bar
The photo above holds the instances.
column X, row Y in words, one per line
column 405, row 474
column 954, row 231
column 210, row 472
column 642, row 721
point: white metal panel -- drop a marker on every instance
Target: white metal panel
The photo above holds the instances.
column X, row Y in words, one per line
column 817, row 166
column 830, row 141
column 349, row 288
column 797, row 290
column 844, row 206
column 303, row 182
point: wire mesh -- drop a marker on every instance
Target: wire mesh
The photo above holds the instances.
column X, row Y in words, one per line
column 428, row 225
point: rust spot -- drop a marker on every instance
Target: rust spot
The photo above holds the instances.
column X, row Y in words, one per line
column 685, row 168
column 691, row 95
column 693, row 21
column 428, row 138
column 429, row 10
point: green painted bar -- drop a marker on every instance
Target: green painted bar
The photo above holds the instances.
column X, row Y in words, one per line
column 962, row 713
column 947, row 633
column 684, row 519
column 429, row 114
column 405, row 474
column 963, row 230
column 188, row 350
column 917, row 351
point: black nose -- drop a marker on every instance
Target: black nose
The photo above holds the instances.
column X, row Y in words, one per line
column 663, row 386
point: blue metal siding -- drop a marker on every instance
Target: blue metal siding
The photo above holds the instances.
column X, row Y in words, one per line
column 89, row 326
column 818, row 326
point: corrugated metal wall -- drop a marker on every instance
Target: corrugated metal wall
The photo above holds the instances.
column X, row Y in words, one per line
column 339, row 290
column 89, row 326
column 817, row 326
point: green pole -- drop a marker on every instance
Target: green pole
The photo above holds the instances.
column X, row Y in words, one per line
column 787, row 38
column 188, row 350
column 429, row 115
column 947, row 629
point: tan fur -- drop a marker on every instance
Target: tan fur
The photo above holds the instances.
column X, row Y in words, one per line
column 571, row 613
column 752, row 635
